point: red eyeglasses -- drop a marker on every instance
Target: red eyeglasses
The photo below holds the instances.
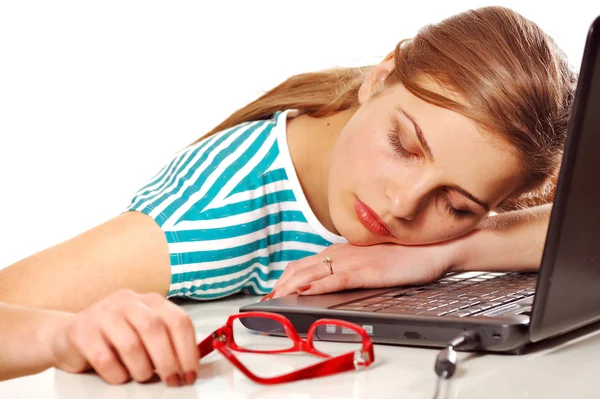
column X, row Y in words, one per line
column 223, row 340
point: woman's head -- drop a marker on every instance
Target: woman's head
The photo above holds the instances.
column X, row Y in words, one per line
column 428, row 173
column 489, row 93
column 468, row 116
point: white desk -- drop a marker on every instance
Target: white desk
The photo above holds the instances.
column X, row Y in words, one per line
column 561, row 368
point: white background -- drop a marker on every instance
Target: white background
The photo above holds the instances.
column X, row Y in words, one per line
column 95, row 96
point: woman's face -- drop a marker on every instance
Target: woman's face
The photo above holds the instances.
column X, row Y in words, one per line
column 427, row 173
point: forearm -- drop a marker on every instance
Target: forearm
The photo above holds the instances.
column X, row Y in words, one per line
column 506, row 242
column 84, row 269
column 25, row 339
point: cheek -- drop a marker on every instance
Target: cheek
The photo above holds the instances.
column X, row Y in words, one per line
column 354, row 158
column 436, row 226
column 448, row 228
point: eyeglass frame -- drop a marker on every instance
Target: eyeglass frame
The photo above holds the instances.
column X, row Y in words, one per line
column 223, row 340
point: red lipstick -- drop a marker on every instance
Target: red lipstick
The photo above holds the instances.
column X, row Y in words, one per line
column 370, row 219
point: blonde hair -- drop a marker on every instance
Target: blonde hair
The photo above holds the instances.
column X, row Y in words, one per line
column 515, row 82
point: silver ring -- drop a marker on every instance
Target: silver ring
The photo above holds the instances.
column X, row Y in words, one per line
column 327, row 261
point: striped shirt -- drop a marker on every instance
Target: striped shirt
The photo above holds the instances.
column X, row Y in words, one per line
column 233, row 212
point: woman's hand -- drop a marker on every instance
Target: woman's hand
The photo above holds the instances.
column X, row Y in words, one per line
column 376, row 266
column 129, row 335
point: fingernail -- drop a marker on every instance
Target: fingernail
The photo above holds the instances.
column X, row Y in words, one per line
column 173, row 380
column 267, row 297
column 303, row 288
column 190, row 377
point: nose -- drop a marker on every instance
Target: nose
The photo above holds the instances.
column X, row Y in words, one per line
column 403, row 208
column 405, row 202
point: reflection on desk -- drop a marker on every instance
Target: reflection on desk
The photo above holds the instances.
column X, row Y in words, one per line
column 564, row 367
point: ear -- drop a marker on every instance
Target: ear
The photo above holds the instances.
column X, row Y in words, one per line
column 375, row 78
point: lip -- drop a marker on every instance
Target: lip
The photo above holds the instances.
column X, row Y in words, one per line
column 370, row 219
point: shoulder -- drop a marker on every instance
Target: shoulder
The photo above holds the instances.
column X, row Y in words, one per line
column 213, row 174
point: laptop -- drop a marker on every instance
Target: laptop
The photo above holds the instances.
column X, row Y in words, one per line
column 507, row 310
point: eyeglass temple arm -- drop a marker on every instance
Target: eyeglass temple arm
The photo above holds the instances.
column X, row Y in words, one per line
column 330, row 366
column 206, row 346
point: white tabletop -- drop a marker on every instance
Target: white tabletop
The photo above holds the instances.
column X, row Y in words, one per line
column 560, row 368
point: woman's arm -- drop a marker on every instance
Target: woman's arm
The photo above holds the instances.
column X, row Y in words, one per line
column 129, row 251
column 26, row 335
column 509, row 241
column 125, row 335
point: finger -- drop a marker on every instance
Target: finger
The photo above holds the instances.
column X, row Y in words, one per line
column 182, row 334
column 300, row 264
column 153, row 333
column 93, row 345
column 302, row 278
column 267, row 297
column 289, row 271
column 337, row 281
column 129, row 346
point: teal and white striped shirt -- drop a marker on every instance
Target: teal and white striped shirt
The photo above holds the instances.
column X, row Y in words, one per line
column 233, row 212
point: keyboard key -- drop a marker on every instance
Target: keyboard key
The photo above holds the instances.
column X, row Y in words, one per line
column 413, row 293
column 495, row 298
column 475, row 309
column 433, row 294
column 462, row 314
column 471, row 274
column 489, row 293
column 447, row 296
column 433, row 312
column 372, row 301
column 376, row 305
column 397, row 292
column 359, row 304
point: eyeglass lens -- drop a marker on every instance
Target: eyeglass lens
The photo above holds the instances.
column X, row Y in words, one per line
column 255, row 341
column 322, row 335
column 348, row 340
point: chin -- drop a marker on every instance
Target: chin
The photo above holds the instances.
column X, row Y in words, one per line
column 356, row 234
column 371, row 239
column 365, row 241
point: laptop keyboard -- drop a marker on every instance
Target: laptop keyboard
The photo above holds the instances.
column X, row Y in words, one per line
column 459, row 295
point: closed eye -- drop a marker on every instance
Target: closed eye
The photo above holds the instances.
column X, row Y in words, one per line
column 394, row 138
column 398, row 147
column 454, row 212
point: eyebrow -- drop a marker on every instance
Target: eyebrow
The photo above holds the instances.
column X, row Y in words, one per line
column 419, row 133
column 429, row 154
column 471, row 197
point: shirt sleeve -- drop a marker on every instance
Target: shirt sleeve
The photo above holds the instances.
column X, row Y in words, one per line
column 209, row 252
